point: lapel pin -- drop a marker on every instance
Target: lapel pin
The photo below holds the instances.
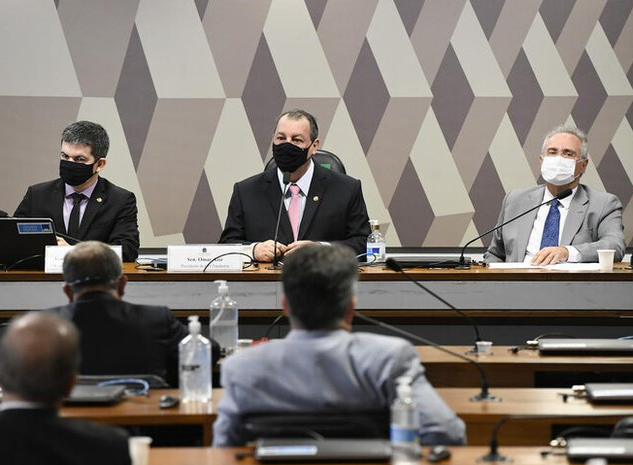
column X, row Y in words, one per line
column 99, row 199
column 315, row 198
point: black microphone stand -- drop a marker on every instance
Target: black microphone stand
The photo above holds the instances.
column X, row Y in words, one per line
column 276, row 265
column 393, row 264
column 483, row 394
column 462, row 263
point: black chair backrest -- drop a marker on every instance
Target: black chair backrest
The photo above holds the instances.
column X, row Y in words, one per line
column 370, row 424
column 321, row 157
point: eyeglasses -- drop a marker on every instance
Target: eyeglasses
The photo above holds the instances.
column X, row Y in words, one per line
column 565, row 153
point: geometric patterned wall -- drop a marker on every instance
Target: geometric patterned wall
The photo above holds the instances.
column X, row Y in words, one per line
column 438, row 106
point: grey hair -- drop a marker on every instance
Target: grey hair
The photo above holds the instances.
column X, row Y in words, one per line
column 297, row 114
column 574, row 131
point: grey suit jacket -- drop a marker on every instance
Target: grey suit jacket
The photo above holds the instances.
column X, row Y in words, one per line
column 321, row 371
column 594, row 221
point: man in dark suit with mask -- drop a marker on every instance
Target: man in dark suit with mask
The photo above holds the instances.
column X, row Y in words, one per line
column 321, row 205
column 39, row 356
column 82, row 204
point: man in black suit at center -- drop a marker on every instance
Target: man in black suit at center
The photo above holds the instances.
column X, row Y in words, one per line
column 39, row 356
column 329, row 206
column 118, row 337
column 82, row 204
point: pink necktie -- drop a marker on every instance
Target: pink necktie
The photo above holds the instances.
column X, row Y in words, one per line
column 294, row 209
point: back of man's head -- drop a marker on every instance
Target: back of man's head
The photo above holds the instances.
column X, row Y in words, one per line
column 319, row 284
column 39, row 358
column 92, row 265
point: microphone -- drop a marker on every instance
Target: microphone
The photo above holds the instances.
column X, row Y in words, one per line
column 483, row 395
column 286, row 180
column 73, row 239
column 463, row 266
column 393, row 265
column 3, row 214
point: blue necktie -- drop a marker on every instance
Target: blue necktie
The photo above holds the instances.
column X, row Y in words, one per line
column 552, row 222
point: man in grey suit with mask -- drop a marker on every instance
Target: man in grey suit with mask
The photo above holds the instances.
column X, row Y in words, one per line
column 321, row 366
column 567, row 230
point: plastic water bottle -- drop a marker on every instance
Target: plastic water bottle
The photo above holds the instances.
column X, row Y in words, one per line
column 405, row 426
column 194, row 357
column 223, row 323
column 376, row 245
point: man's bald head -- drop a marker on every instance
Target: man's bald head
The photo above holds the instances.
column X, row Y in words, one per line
column 39, row 358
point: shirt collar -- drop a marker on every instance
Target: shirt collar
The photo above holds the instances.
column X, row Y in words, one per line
column 87, row 191
column 566, row 202
column 303, row 182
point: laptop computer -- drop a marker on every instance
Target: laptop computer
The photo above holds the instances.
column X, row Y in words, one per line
column 585, row 346
column 322, row 450
column 95, row 395
column 612, row 449
column 422, row 260
column 609, row 393
column 24, row 241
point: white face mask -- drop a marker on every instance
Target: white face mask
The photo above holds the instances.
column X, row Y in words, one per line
column 558, row 170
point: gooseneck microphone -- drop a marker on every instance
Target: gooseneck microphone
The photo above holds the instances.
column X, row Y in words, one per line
column 463, row 266
column 483, row 395
column 393, row 265
column 73, row 239
column 286, row 181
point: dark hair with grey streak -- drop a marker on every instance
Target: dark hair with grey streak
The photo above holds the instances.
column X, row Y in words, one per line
column 88, row 133
column 39, row 357
column 574, row 131
column 319, row 283
column 297, row 114
column 90, row 264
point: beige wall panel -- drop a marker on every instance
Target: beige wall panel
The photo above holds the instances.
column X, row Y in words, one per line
column 603, row 129
column 448, row 229
column 437, row 171
column 177, row 50
column 623, row 145
column 402, row 117
column 301, row 64
column 623, row 48
column 175, row 152
column 34, row 57
column 394, row 54
column 577, row 30
column 476, row 134
column 30, row 131
column 509, row 158
column 233, row 155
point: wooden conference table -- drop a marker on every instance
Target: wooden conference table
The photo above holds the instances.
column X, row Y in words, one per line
column 506, row 369
column 480, row 417
column 459, row 456
column 482, row 292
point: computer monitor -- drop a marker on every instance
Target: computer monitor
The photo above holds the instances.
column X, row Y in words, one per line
column 23, row 241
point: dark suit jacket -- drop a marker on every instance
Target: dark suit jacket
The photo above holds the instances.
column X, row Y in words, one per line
column 335, row 211
column 110, row 216
column 40, row 436
column 118, row 337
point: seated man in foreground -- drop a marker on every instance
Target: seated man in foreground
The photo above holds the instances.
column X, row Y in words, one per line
column 321, row 366
column 118, row 337
column 39, row 357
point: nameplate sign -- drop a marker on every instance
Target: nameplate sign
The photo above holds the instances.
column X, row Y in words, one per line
column 54, row 256
column 204, row 257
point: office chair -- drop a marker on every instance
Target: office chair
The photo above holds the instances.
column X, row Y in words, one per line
column 321, row 157
column 317, row 425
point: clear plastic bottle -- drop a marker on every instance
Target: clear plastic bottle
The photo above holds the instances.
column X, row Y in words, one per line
column 376, row 246
column 194, row 357
column 405, row 426
column 223, row 322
